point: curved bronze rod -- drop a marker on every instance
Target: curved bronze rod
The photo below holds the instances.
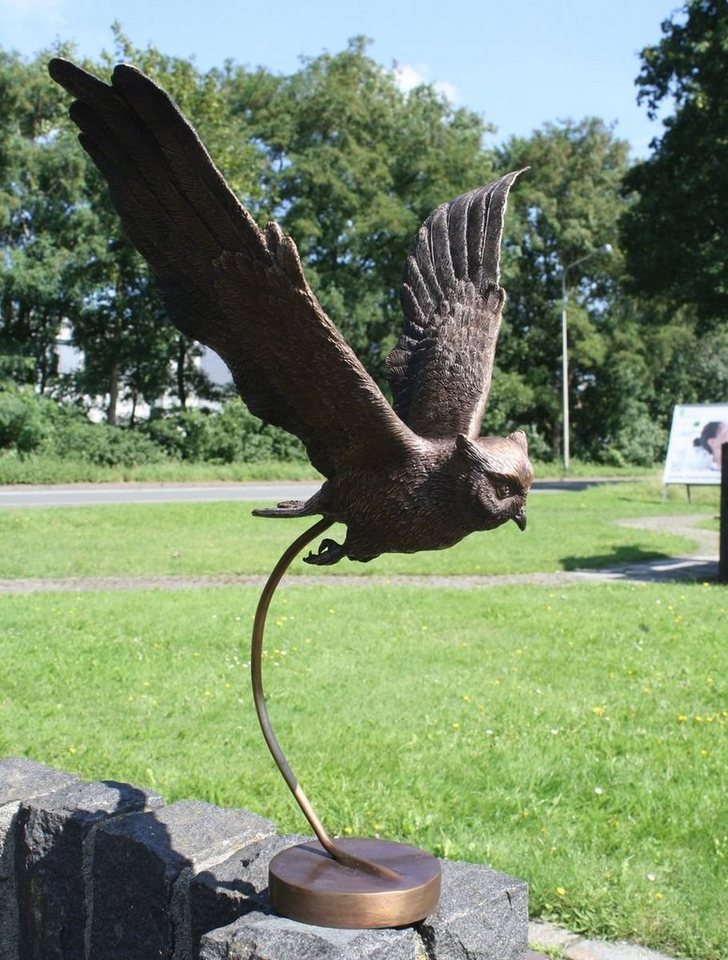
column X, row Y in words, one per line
column 256, row 655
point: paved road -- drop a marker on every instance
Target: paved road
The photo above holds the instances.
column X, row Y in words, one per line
column 91, row 494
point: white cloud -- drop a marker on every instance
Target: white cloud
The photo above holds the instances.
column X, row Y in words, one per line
column 407, row 77
column 448, row 90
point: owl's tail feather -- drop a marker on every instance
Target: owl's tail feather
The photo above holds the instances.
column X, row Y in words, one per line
column 288, row 508
column 291, row 508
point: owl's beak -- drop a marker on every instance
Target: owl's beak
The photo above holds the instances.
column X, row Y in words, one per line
column 520, row 519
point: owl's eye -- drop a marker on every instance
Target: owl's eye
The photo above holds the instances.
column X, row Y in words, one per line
column 504, row 490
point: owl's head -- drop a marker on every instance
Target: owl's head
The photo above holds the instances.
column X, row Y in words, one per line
column 500, row 476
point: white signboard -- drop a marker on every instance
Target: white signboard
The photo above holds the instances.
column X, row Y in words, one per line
column 693, row 454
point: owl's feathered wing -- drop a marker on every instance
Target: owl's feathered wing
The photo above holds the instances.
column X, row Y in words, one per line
column 440, row 371
column 226, row 283
column 241, row 291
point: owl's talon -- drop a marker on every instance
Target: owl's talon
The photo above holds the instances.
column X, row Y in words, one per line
column 329, row 552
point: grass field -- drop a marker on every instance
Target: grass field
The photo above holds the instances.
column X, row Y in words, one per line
column 48, row 470
column 574, row 737
column 44, row 469
column 565, row 531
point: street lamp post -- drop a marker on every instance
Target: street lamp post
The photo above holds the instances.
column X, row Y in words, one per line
column 606, row 248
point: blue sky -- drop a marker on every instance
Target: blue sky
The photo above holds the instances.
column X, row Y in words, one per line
column 519, row 64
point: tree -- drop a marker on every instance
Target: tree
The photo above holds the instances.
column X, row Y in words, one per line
column 356, row 165
column 129, row 346
column 675, row 232
column 564, row 209
column 64, row 255
column 350, row 165
column 45, row 227
column 345, row 160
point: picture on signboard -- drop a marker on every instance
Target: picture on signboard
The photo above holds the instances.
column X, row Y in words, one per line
column 694, row 452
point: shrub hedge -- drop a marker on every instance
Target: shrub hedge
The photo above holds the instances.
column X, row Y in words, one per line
column 35, row 425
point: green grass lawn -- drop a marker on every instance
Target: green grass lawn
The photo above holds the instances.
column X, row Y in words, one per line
column 39, row 468
column 573, row 737
column 576, row 738
column 565, row 531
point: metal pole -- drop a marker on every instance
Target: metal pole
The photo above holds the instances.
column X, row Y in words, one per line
column 565, row 369
column 606, row 248
column 256, row 673
column 723, row 561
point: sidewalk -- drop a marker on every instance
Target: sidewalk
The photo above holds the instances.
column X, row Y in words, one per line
column 570, row 946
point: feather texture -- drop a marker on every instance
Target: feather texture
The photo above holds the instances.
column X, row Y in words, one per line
column 416, row 477
column 226, row 283
column 441, row 369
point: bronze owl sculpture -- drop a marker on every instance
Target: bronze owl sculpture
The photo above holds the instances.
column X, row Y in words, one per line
column 415, row 476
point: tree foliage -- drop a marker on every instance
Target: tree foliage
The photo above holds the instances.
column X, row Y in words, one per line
column 350, row 165
column 355, row 166
column 45, row 227
column 676, row 231
column 563, row 211
column 346, row 161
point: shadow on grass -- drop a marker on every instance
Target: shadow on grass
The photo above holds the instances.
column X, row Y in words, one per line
column 631, row 563
column 621, row 556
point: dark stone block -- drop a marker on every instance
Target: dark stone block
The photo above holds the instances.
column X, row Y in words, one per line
column 53, row 860
column 20, row 780
column 234, row 887
column 482, row 915
column 144, row 866
column 257, row 935
column 104, row 870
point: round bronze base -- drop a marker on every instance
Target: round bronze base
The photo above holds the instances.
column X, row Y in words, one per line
column 307, row 884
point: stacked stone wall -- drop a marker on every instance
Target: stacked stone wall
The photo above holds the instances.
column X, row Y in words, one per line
column 109, row 871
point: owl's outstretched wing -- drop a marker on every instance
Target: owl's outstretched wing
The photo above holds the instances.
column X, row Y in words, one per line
column 440, row 371
column 235, row 288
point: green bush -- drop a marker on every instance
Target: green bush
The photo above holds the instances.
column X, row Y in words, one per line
column 177, row 434
column 36, row 425
column 230, row 436
column 638, row 442
column 32, row 424
column 25, row 419
column 103, row 445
